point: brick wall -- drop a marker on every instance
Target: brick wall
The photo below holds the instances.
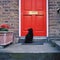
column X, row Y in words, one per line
column 9, row 14
column 54, row 18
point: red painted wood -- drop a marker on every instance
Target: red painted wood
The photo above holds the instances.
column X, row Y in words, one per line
column 35, row 21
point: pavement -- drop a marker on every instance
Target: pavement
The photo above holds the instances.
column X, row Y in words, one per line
column 29, row 48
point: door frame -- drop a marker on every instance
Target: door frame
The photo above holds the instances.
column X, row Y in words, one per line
column 20, row 17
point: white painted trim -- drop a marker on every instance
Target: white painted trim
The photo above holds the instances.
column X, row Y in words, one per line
column 20, row 17
column 47, row 15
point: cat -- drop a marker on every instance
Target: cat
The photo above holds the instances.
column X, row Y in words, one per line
column 29, row 36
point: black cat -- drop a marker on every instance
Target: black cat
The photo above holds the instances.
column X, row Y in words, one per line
column 29, row 36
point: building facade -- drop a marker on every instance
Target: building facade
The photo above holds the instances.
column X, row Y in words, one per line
column 9, row 14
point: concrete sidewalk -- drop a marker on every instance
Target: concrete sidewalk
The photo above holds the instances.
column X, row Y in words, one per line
column 19, row 48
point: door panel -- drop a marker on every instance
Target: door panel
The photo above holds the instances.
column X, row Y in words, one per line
column 27, row 25
column 27, row 4
column 39, row 5
column 33, row 15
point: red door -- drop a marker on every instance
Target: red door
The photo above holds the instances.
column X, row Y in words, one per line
column 33, row 15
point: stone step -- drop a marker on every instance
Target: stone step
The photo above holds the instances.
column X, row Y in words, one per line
column 35, row 42
column 55, row 43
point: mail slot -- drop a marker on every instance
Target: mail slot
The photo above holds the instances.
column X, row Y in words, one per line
column 33, row 12
column 40, row 13
column 29, row 13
